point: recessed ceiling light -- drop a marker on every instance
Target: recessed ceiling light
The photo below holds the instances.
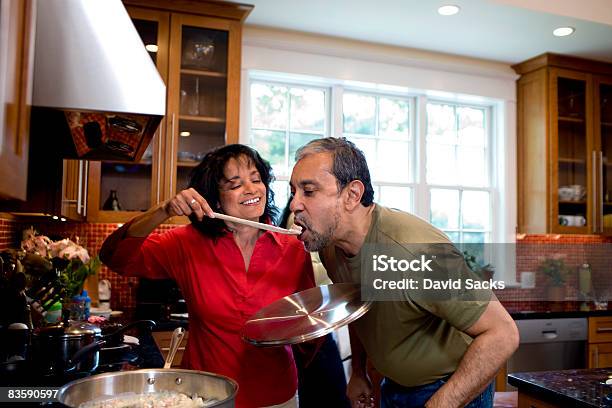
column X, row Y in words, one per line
column 151, row 47
column 448, row 10
column 563, row 31
column 185, row 134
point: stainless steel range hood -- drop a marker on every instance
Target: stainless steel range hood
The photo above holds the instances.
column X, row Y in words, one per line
column 96, row 90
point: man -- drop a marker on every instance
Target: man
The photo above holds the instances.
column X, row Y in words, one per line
column 433, row 354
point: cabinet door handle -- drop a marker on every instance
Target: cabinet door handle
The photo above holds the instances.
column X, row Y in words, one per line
column 596, row 357
column 604, row 330
column 85, row 189
column 160, row 140
column 172, row 192
column 594, row 190
column 601, row 192
column 80, row 188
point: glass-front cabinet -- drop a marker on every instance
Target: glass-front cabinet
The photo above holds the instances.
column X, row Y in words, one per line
column 603, row 135
column 198, row 57
column 202, row 106
column 572, row 198
column 564, row 144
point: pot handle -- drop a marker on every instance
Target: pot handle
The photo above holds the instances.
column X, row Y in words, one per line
column 84, row 352
column 149, row 324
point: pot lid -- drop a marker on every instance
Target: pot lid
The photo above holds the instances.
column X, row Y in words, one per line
column 75, row 328
column 306, row 315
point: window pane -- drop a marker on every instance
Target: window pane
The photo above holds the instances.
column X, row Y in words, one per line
column 271, row 146
column 307, row 109
column 392, row 162
column 281, row 193
column 453, row 236
column 358, row 112
column 297, row 140
column 368, row 147
column 441, row 164
column 471, row 126
column 393, row 119
column 269, row 106
column 441, row 124
column 474, row 238
column 396, row 197
column 472, row 166
column 475, row 210
column 444, row 208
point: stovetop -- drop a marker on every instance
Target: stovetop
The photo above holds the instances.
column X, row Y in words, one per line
column 144, row 355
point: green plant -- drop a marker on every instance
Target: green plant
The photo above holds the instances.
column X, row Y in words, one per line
column 555, row 270
column 73, row 275
column 478, row 269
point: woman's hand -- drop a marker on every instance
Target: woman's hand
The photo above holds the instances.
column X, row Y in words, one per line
column 188, row 202
column 359, row 391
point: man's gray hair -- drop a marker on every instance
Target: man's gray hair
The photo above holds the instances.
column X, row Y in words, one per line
column 349, row 163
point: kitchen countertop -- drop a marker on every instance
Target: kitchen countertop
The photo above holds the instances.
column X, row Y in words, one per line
column 575, row 388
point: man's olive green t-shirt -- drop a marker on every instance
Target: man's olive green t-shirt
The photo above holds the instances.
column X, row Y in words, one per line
column 417, row 340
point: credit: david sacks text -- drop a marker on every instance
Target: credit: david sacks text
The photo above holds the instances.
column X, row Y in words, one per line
column 434, row 284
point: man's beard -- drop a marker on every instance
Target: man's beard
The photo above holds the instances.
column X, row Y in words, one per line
column 319, row 240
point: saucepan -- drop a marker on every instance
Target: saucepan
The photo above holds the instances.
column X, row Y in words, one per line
column 73, row 347
column 214, row 390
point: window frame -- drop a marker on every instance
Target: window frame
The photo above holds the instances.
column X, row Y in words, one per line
column 287, row 131
column 491, row 187
column 420, row 189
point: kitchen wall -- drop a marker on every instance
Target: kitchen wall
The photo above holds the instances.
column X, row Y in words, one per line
column 8, row 232
column 531, row 249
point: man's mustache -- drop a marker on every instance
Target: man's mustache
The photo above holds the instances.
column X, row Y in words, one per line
column 302, row 221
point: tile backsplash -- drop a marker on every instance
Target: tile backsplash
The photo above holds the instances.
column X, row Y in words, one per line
column 530, row 249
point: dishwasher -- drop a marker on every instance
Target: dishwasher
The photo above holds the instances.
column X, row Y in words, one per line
column 550, row 344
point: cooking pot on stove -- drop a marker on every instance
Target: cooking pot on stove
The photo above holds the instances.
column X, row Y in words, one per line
column 64, row 348
column 215, row 390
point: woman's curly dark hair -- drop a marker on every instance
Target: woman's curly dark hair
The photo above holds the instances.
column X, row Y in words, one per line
column 207, row 176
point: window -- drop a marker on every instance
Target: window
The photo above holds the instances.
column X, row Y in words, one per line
column 439, row 170
column 283, row 118
column 381, row 127
column 457, row 175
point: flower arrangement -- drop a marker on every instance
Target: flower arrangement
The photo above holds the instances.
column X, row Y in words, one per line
column 70, row 259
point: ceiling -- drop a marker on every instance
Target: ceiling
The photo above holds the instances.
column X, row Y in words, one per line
column 508, row 31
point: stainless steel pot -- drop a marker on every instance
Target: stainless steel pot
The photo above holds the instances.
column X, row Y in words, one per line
column 75, row 347
column 216, row 390
column 193, row 383
column 54, row 348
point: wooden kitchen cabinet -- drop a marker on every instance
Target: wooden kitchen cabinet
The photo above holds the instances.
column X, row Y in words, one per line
column 198, row 56
column 600, row 342
column 531, row 401
column 16, row 69
column 163, row 339
column 564, row 141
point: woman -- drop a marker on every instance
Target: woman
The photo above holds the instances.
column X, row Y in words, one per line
column 226, row 271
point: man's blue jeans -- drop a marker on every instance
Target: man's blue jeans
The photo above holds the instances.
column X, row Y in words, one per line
column 394, row 395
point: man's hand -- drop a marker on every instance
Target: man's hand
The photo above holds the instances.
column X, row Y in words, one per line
column 359, row 391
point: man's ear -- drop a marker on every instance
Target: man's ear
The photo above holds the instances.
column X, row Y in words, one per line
column 354, row 191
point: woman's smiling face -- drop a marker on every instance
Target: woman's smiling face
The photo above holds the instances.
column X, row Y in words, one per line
column 242, row 193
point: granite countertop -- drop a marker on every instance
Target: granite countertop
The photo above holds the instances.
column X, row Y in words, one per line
column 575, row 388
